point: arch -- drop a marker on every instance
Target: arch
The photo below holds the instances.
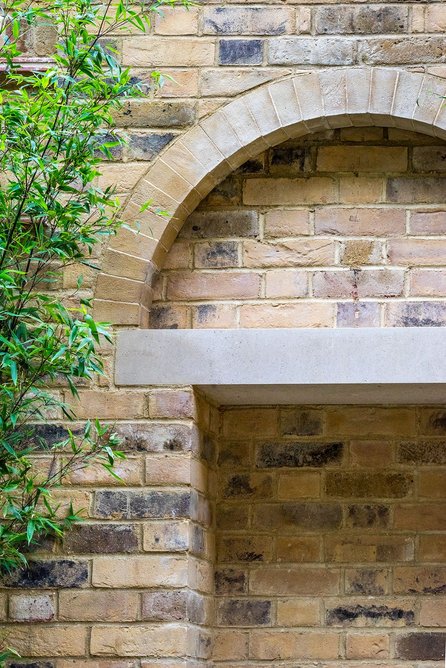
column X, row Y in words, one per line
column 191, row 167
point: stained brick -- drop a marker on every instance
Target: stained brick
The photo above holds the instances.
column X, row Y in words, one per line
column 101, row 538
column 297, row 454
column 242, row 612
column 246, row 20
column 360, row 516
column 240, row 52
column 57, row 573
column 298, row 422
column 370, row 614
column 423, row 452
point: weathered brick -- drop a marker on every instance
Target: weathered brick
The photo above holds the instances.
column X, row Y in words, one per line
column 243, row 485
column 243, row 612
column 305, row 516
column 422, row 452
column 310, row 51
column 96, row 605
column 154, row 113
column 419, row 580
column 367, row 516
column 241, row 548
column 433, row 612
column 361, row 20
column 230, row 581
column 56, row 573
column 367, row 581
column 358, row 282
column 158, row 437
column 370, row 646
column 214, row 316
column 229, row 516
column 37, row 608
column 371, row 454
column 166, row 536
column 368, row 548
column 401, row 51
column 292, row 253
column 172, row 403
column 173, row 605
column 358, row 314
column 247, row 20
column 101, row 538
column 360, row 222
column 145, row 146
column 297, row 454
column 368, row 485
column 421, row 646
column 416, row 314
column 216, row 254
column 160, row 505
column 240, row 52
column 413, row 191
column 364, row 613
column 358, row 252
column 298, row 422
column 150, row 51
column 210, row 224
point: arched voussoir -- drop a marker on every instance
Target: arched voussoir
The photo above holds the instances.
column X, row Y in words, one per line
column 191, row 167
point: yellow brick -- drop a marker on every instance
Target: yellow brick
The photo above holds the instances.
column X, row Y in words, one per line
column 141, row 571
column 139, row 640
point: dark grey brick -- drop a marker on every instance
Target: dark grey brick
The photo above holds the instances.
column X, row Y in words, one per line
column 240, row 52
column 240, row 612
column 421, row 646
column 297, row 454
column 160, row 505
column 145, row 146
column 111, row 505
column 230, row 581
column 369, row 615
column 101, row 538
column 57, row 573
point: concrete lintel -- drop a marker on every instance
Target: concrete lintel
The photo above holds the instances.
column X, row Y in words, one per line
column 392, row 365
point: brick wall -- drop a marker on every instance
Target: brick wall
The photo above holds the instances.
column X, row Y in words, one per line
column 341, row 229
column 331, row 537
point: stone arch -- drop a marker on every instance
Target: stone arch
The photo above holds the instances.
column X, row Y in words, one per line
column 310, row 101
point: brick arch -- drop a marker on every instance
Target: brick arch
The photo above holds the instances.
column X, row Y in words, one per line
column 272, row 113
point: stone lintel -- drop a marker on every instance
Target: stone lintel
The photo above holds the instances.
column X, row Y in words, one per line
column 288, row 366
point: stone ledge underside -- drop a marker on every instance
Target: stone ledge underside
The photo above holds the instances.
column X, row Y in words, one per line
column 290, row 366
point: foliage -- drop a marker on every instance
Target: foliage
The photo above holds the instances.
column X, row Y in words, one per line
column 54, row 133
